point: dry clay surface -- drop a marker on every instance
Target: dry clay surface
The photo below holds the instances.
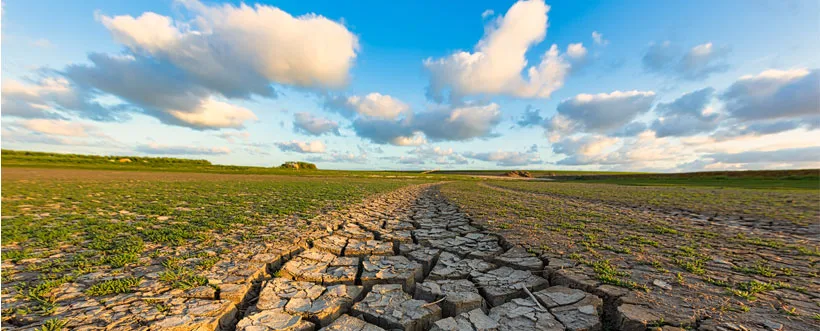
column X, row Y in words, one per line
column 406, row 260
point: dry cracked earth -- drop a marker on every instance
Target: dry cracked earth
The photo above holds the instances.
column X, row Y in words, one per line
column 405, row 260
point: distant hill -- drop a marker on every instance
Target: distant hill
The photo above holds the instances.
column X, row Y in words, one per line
column 26, row 157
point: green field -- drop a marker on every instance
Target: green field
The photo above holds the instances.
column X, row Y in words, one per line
column 61, row 224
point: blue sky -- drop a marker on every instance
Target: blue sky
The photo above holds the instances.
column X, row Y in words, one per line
column 633, row 85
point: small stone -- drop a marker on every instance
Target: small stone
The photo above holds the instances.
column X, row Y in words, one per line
column 635, row 318
column 502, row 284
column 474, row 320
column 391, row 270
column 460, row 296
column 662, row 284
column 523, row 314
column 389, row 307
column 348, row 323
column 518, row 257
column 427, row 256
column 556, row 296
column 451, row 266
column 273, row 320
column 363, row 248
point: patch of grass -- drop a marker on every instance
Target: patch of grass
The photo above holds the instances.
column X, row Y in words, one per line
column 54, row 324
column 15, row 255
column 182, row 278
column 749, row 290
column 114, row 286
column 665, row 230
column 609, row 274
column 759, row 268
column 636, row 240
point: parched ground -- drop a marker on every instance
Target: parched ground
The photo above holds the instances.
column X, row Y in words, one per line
column 691, row 257
column 153, row 251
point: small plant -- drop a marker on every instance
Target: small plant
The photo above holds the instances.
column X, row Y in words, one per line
column 791, row 311
column 759, row 268
column 54, row 324
column 114, row 286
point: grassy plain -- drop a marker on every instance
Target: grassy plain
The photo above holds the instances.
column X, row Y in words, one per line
column 689, row 269
column 796, row 205
column 61, row 224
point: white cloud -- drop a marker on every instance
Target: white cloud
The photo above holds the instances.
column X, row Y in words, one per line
column 698, row 63
column 309, row 124
column 599, row 38
column 37, row 100
column 601, row 113
column 214, row 114
column 223, row 43
column 379, row 121
column 184, row 71
column 506, row 158
column 499, row 58
column 789, row 155
column 459, row 123
column 431, row 151
column 160, row 149
column 234, row 136
column 339, row 157
column 373, row 105
column 576, row 51
column 315, row 146
column 686, row 115
column 774, row 94
column 416, row 139
column 487, row 13
column 702, row 61
column 58, row 127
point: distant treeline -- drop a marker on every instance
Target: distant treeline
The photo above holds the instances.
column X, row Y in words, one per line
column 41, row 157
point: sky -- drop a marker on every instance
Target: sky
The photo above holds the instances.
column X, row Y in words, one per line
column 667, row 86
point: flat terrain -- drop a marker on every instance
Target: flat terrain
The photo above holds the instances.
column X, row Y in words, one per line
column 156, row 250
column 685, row 265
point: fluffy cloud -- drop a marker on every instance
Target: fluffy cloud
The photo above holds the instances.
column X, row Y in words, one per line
column 576, row 51
column 583, row 149
column 645, row 151
column 213, row 114
column 315, row 146
column 697, row 63
column 57, row 127
column 506, row 158
column 183, row 71
column 437, row 155
column 239, row 50
column 403, row 127
column 339, row 157
column 601, row 113
column 499, row 58
column 788, row 155
column 373, row 105
column 658, row 57
column 381, row 131
column 532, row 117
column 234, row 136
column 417, row 139
column 687, row 115
column 48, row 98
column 598, row 38
column 702, row 61
column 774, row 94
column 309, row 124
column 459, row 123
column 160, row 149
